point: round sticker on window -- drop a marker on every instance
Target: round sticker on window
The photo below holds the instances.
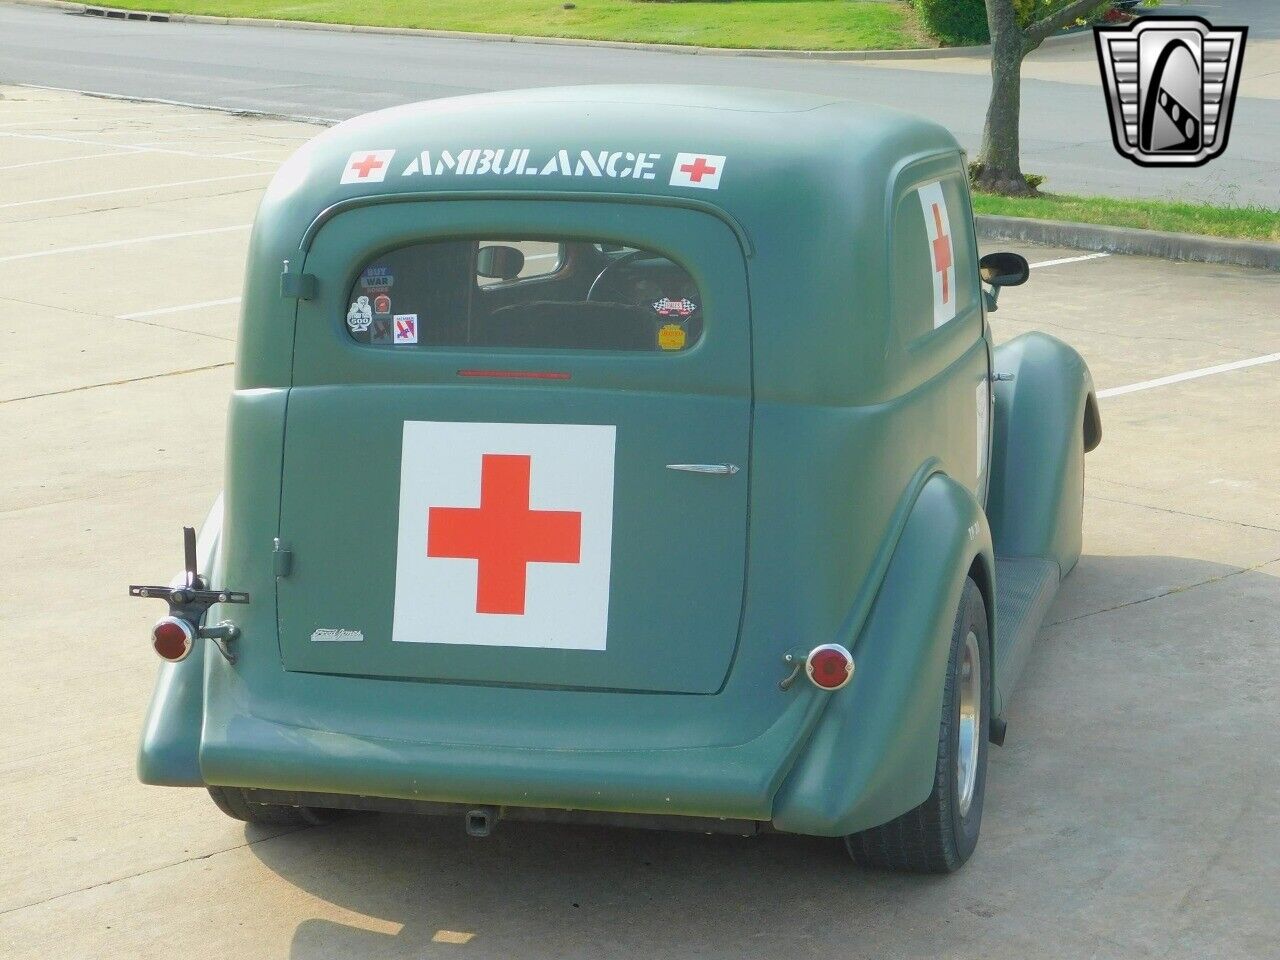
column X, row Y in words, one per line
column 671, row 337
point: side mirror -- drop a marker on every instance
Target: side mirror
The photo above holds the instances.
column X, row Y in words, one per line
column 1004, row 269
column 501, row 263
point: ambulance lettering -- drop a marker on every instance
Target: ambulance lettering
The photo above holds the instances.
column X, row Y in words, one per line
column 520, row 161
column 937, row 226
column 505, row 534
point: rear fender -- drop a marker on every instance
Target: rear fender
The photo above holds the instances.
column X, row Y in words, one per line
column 872, row 754
column 169, row 755
column 1046, row 419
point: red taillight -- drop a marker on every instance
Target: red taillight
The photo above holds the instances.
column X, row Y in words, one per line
column 829, row 666
column 172, row 639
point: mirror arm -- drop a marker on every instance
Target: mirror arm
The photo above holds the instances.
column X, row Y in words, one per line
column 991, row 295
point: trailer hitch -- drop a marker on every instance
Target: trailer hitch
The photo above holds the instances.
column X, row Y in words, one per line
column 189, row 600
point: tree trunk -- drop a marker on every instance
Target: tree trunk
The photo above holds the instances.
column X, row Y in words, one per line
column 999, row 168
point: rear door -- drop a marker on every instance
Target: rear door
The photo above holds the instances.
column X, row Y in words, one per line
column 509, row 514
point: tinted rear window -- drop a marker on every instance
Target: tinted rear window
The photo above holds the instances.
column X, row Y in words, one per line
column 546, row 294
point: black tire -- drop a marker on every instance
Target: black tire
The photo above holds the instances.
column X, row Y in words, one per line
column 235, row 804
column 936, row 837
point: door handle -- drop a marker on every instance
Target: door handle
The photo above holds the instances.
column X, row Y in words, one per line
column 715, row 469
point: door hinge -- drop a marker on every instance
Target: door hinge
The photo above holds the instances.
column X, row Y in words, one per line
column 296, row 285
column 281, row 559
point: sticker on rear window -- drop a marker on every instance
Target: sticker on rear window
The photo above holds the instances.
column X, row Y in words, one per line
column 405, row 328
column 671, row 337
column 360, row 315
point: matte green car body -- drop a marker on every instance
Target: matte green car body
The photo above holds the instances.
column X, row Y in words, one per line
column 864, row 503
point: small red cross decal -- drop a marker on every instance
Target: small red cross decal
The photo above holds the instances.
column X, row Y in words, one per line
column 942, row 254
column 404, row 328
column 503, row 534
column 698, row 169
column 366, row 166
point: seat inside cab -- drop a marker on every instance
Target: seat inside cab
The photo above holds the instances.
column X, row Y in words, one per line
column 546, row 294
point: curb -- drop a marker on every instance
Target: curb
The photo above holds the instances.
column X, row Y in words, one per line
column 1149, row 243
column 927, row 53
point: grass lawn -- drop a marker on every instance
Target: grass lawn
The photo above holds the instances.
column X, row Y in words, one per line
column 1246, row 223
column 793, row 24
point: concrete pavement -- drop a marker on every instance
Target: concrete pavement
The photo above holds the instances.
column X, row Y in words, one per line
column 1134, row 812
column 336, row 75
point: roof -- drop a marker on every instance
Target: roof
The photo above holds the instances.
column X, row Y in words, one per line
column 643, row 139
column 804, row 181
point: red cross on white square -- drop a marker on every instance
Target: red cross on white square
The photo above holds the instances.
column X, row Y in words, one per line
column 505, row 534
column 697, row 170
column 941, row 251
column 367, row 166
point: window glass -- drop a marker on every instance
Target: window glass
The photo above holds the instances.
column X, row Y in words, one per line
column 547, row 293
column 541, row 257
column 920, row 292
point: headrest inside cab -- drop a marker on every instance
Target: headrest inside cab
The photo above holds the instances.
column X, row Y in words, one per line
column 499, row 263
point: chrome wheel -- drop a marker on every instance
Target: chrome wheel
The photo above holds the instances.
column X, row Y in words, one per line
column 969, row 694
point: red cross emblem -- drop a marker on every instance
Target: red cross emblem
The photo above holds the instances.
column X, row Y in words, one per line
column 942, row 253
column 503, row 534
column 698, row 169
column 367, row 166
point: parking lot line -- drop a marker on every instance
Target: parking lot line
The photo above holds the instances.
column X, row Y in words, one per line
column 1066, row 260
column 150, row 186
column 1189, row 375
column 78, row 156
column 132, row 148
column 121, row 243
column 179, row 309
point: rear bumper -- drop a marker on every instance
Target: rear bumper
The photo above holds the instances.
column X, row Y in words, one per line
column 736, row 782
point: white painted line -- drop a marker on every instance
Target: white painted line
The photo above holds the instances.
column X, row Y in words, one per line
column 153, row 186
column 78, row 156
column 121, row 243
column 1058, row 263
column 1189, row 375
column 132, row 148
column 181, row 309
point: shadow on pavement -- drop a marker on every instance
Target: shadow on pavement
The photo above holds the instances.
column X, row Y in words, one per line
column 1074, row 854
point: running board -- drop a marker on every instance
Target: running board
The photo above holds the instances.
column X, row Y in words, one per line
column 1025, row 588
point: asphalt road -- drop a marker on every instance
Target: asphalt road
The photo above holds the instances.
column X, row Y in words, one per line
column 1133, row 813
column 337, row 75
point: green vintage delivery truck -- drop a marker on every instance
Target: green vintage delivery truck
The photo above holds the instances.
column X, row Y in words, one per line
column 624, row 455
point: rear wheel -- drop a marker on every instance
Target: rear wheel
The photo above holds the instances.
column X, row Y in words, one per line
column 235, row 803
column 939, row 835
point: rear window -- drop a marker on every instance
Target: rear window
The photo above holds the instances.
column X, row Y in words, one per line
column 544, row 294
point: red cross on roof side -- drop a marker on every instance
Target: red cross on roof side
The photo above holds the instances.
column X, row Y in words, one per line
column 367, row 165
column 698, row 169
